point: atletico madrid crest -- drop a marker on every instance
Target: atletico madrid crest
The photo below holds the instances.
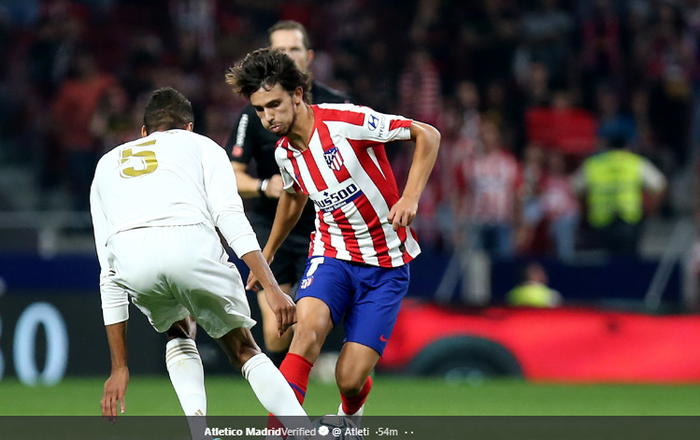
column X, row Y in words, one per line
column 333, row 159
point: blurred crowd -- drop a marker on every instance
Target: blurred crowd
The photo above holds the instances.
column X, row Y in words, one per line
column 522, row 91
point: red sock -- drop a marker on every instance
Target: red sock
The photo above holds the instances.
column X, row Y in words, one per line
column 296, row 370
column 352, row 404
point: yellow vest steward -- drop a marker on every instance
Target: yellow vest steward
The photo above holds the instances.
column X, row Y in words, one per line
column 614, row 181
column 531, row 295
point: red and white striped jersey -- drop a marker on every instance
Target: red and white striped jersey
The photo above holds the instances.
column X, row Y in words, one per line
column 346, row 173
column 492, row 180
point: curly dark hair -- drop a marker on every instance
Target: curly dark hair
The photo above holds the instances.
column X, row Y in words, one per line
column 166, row 109
column 264, row 68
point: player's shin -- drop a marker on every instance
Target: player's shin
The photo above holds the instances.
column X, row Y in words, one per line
column 187, row 376
column 353, row 407
column 274, row 392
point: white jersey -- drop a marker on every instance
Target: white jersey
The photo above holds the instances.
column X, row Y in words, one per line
column 346, row 173
column 171, row 178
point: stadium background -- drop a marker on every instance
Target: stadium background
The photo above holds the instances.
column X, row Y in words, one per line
column 436, row 61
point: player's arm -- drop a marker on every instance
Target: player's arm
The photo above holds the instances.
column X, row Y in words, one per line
column 115, row 313
column 282, row 305
column 226, row 208
column 289, row 209
column 250, row 187
column 239, row 147
column 654, row 183
column 115, row 386
column 427, row 140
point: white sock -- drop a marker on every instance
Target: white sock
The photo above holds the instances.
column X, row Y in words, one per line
column 270, row 386
column 274, row 392
column 187, row 376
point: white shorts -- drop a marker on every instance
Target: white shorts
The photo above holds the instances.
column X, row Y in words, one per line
column 171, row 272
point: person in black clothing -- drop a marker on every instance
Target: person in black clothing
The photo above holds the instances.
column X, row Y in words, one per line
column 248, row 141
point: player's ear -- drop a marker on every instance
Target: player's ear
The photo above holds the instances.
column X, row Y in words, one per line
column 144, row 133
column 298, row 95
column 189, row 126
column 310, row 55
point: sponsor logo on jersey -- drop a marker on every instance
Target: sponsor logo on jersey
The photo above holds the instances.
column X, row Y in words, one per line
column 330, row 200
column 333, row 159
column 372, row 121
column 377, row 123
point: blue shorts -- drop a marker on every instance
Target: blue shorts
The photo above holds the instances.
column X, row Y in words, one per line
column 368, row 297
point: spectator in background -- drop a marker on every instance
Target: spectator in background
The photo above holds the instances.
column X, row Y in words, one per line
column 419, row 88
column 601, row 58
column 468, row 103
column 490, row 205
column 612, row 123
column 72, row 112
column 49, row 55
column 529, row 193
column 535, row 86
column 560, row 206
column 614, row 183
column 492, row 34
column 112, row 123
column 546, row 39
column 671, row 60
column 533, row 290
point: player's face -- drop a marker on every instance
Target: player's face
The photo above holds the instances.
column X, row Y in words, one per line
column 276, row 108
column 291, row 42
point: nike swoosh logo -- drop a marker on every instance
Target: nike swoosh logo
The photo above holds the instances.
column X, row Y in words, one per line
column 383, row 339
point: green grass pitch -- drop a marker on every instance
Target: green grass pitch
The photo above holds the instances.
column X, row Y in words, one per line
column 390, row 396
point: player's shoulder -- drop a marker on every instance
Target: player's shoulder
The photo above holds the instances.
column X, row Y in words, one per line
column 282, row 149
column 350, row 113
column 281, row 144
column 199, row 139
column 115, row 151
column 322, row 93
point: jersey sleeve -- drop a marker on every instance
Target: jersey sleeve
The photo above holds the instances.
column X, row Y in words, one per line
column 223, row 201
column 115, row 300
column 654, row 180
column 239, row 146
column 380, row 127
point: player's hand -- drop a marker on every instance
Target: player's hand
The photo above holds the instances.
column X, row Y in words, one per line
column 114, row 392
column 253, row 283
column 284, row 308
column 403, row 212
column 275, row 186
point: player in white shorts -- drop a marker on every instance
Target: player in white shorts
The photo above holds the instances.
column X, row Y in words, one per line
column 155, row 204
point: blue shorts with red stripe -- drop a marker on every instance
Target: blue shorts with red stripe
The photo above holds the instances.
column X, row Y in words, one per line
column 367, row 298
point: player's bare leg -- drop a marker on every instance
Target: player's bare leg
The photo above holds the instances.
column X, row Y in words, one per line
column 313, row 325
column 274, row 343
column 355, row 363
column 187, row 373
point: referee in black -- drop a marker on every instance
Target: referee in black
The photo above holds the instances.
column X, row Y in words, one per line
column 248, row 141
